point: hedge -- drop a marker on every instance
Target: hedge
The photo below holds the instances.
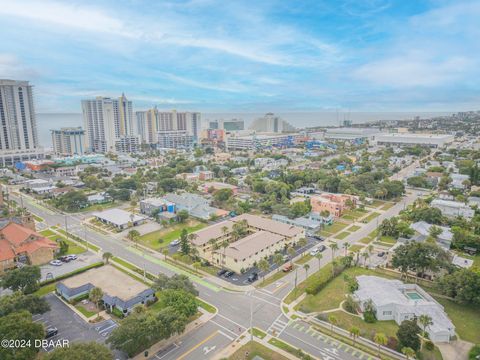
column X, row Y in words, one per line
column 319, row 280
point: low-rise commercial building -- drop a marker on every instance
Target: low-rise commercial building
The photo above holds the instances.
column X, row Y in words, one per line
column 156, row 205
column 427, row 140
column 335, row 204
column 119, row 219
column 195, row 205
column 260, row 141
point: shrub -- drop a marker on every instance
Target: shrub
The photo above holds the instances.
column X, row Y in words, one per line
column 369, row 317
column 429, row 345
column 350, row 305
column 474, row 352
column 392, row 343
column 319, row 280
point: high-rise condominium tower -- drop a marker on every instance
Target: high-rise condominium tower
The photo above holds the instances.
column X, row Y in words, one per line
column 271, row 124
column 109, row 125
column 18, row 127
column 68, row 141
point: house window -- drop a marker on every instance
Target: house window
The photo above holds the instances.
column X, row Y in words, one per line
column 387, row 313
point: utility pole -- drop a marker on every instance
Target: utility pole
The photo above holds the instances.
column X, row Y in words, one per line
column 85, row 236
column 251, row 315
column 66, row 226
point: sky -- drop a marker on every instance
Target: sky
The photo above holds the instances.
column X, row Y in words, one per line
column 246, row 56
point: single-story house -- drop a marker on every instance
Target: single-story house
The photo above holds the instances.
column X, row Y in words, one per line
column 119, row 218
column 445, row 237
column 394, row 300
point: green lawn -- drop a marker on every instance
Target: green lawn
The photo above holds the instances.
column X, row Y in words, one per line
column 355, row 247
column 387, row 206
column 377, row 203
column 255, row 349
column 206, row 306
column 73, row 247
column 371, row 217
column 47, row 233
column 37, row 218
column 353, row 228
column 295, row 293
column 44, row 290
column 334, row 228
column 275, row 277
column 283, row 345
column 354, row 214
column 388, row 239
column 346, row 321
column 304, row 259
column 342, row 235
column 85, row 312
column 258, row 333
column 169, row 234
column 466, row 319
column 369, row 238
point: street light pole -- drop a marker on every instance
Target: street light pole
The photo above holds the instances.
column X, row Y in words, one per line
column 66, row 227
column 251, row 315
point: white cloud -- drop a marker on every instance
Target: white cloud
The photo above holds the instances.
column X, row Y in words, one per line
column 11, row 67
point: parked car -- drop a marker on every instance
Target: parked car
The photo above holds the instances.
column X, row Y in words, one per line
column 381, row 254
column 56, row 263
column 287, row 267
column 318, row 238
column 175, row 242
column 229, row 274
column 50, row 332
column 72, row 257
column 252, row 277
column 64, row 259
column 286, row 258
column 321, row 248
column 221, row 272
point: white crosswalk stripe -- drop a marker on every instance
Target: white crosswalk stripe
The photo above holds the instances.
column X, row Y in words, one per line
column 277, row 326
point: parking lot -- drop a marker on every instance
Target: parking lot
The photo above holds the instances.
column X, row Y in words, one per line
column 70, row 326
column 50, row 271
column 241, row 279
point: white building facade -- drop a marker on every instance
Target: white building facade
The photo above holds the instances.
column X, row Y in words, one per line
column 68, row 141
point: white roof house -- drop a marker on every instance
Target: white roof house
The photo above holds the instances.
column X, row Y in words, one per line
column 119, row 218
column 394, row 300
column 445, row 237
column 453, row 209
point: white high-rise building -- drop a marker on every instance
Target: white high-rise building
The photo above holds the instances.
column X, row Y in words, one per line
column 18, row 126
column 108, row 124
column 154, row 123
column 68, row 141
column 271, row 124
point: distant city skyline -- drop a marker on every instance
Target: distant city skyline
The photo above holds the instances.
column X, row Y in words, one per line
column 228, row 56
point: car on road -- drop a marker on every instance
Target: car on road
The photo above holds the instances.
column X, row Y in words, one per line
column 321, row 248
column 318, row 238
column 50, row 332
column 252, row 277
column 72, row 257
column 287, row 267
column 56, row 263
column 229, row 274
column 221, row 272
column 314, row 252
column 286, row 258
column 64, row 259
column 175, row 242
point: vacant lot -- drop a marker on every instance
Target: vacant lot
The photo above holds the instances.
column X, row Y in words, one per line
column 163, row 237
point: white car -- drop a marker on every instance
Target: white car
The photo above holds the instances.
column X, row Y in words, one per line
column 175, row 242
column 314, row 252
column 72, row 257
column 56, row 263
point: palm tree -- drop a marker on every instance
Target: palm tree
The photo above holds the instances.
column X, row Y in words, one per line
column 306, row 267
column 408, row 352
column 263, row 266
column 107, row 256
column 334, row 247
column 380, row 339
column 197, row 265
column 302, row 242
column 346, row 245
column 332, row 319
column 365, row 257
column 291, row 252
column 277, row 260
column 133, row 235
column 319, row 257
column 224, row 245
column 95, row 295
column 165, row 253
column 425, row 321
column 354, row 333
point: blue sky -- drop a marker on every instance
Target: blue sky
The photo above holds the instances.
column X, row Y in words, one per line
column 370, row 55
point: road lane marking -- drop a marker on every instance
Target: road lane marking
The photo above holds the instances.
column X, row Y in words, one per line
column 227, row 336
column 212, row 335
column 280, row 287
column 175, row 347
column 224, row 327
column 266, row 301
column 323, row 352
column 233, row 322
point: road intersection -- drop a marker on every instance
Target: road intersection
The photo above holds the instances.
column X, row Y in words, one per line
column 234, row 307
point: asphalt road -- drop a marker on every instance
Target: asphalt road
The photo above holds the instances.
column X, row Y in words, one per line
column 234, row 307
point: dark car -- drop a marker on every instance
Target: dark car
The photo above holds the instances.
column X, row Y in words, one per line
column 318, row 238
column 50, row 332
column 64, row 259
column 381, row 254
column 229, row 274
column 252, row 277
column 221, row 272
column 321, row 248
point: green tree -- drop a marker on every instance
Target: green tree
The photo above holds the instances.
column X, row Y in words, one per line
column 332, row 319
column 95, row 295
column 263, row 266
column 291, row 252
column 408, row 352
column 18, row 301
column 306, row 267
column 333, row 247
column 425, row 321
column 80, row 351
column 107, row 256
column 180, row 300
column 381, row 340
column 19, row 326
column 407, row 335
column 277, row 260
column 184, row 243
column 354, row 333
column 462, row 285
column 175, row 282
column 133, row 235
column 319, row 257
column 24, row 279
column 182, row 216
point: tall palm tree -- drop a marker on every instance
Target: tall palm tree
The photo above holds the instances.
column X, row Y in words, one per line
column 95, row 295
column 306, row 267
column 334, row 247
column 133, row 235
column 107, row 256
column 319, row 257
column 263, row 266
column 354, row 333
column 381, row 340
column 332, row 319
column 346, row 245
column 212, row 243
column 365, row 257
column 425, row 320
column 277, row 260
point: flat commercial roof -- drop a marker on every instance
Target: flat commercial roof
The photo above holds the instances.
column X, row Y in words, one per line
column 118, row 216
column 252, row 244
column 111, row 280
